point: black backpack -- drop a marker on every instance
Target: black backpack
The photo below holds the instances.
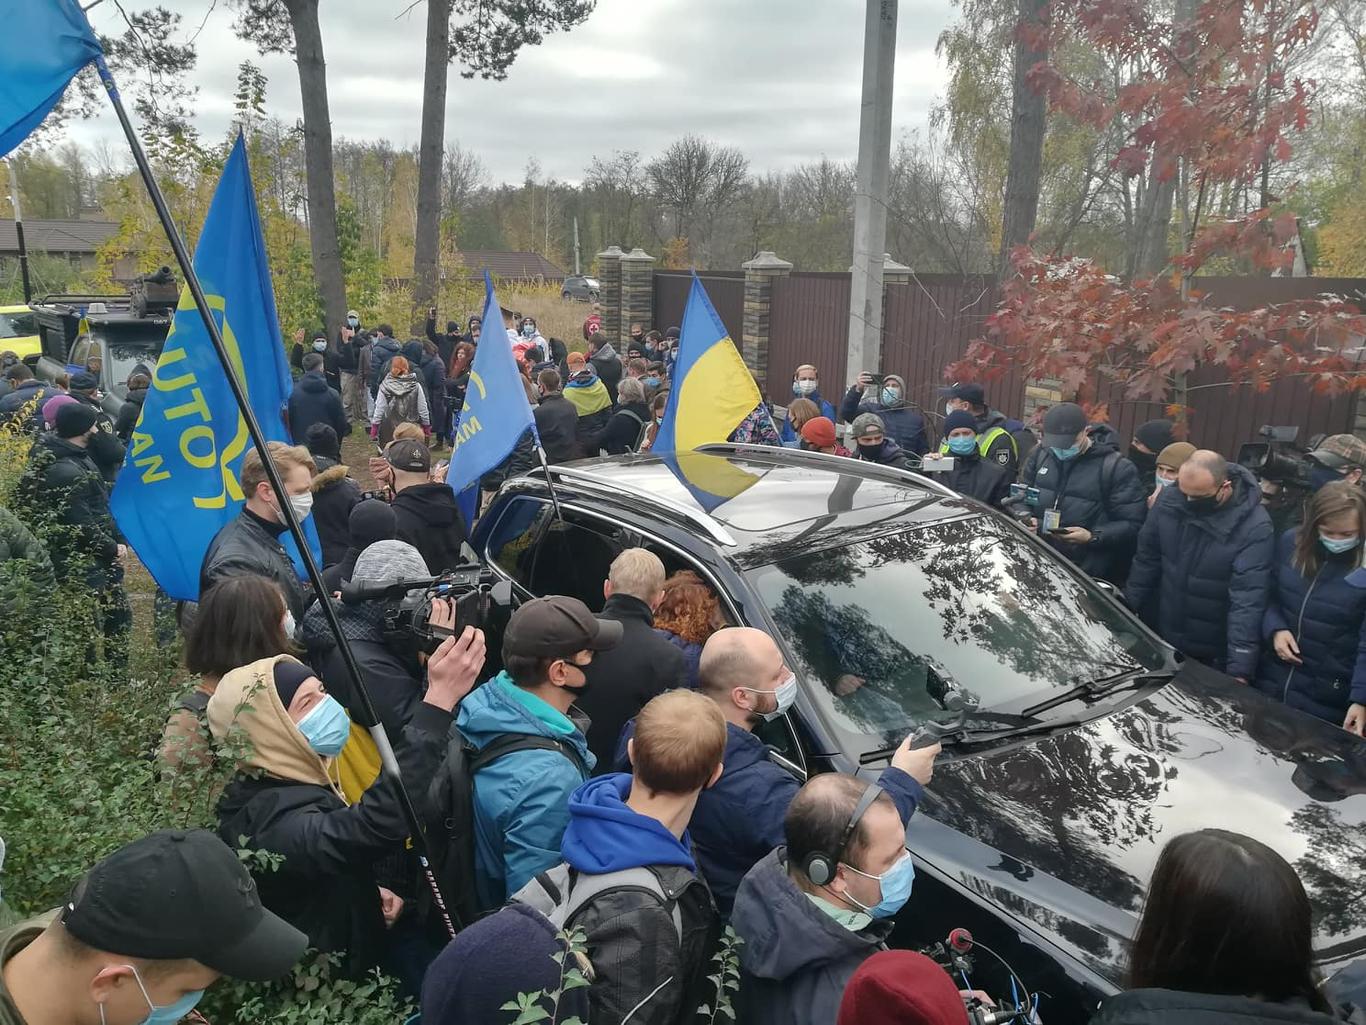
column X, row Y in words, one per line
column 449, row 812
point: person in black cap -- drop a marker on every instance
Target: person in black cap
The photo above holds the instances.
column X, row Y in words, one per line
column 371, row 520
column 425, row 511
column 1091, row 503
column 973, row 474
column 105, row 448
column 522, row 799
column 68, row 502
column 335, row 494
column 998, row 436
column 1149, row 439
column 141, row 937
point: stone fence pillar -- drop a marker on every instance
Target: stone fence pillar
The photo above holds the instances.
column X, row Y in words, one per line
column 637, row 296
column 609, row 296
column 760, row 273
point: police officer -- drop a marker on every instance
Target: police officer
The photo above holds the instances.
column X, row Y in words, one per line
column 996, row 441
column 105, row 449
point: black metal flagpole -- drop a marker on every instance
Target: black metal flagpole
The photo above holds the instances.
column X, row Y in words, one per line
column 386, row 751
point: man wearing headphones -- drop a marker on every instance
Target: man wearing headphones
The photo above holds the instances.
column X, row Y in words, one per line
column 811, row 912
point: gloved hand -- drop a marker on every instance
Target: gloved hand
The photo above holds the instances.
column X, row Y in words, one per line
column 374, row 431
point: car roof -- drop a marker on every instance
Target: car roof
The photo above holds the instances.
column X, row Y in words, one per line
column 21, row 308
column 759, row 504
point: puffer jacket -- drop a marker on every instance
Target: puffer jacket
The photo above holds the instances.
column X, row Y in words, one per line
column 902, row 423
column 1172, row 1007
column 978, row 477
column 1327, row 615
column 1098, row 489
column 129, row 413
column 335, row 494
column 249, row 544
column 382, row 350
column 32, row 390
column 62, row 484
column 795, row 959
column 1202, row 581
column 313, row 402
column 889, row 453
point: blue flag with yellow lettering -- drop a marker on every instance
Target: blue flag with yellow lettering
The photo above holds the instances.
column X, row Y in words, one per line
column 179, row 482
column 46, row 43
column 496, row 413
column 712, row 392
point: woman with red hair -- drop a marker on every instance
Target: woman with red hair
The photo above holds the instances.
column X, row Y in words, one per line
column 400, row 400
column 688, row 614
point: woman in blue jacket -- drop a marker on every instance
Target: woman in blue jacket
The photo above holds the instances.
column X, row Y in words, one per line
column 1316, row 610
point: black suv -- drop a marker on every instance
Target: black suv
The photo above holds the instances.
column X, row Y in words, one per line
column 581, row 288
column 1091, row 744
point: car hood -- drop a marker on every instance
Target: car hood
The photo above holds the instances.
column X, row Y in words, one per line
column 1063, row 833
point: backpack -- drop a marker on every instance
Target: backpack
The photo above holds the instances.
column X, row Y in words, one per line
column 640, row 434
column 449, row 811
column 401, row 409
column 562, row 893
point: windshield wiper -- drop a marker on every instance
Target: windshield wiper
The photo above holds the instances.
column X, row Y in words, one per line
column 955, row 735
column 1090, row 689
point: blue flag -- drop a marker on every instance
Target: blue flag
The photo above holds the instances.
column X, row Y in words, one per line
column 179, row 483
column 496, row 413
column 45, row 44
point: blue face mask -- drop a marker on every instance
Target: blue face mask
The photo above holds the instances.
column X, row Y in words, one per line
column 1321, row 475
column 326, row 727
column 1163, row 482
column 963, row 446
column 896, row 887
column 170, row 1013
column 1339, row 545
column 1066, row 453
column 652, row 382
column 891, row 396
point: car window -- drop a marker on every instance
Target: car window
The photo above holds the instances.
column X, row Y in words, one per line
column 79, row 352
column 511, row 543
column 17, row 325
column 573, row 556
column 885, row 628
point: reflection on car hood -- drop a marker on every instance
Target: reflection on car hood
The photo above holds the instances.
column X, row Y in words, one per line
column 1064, row 832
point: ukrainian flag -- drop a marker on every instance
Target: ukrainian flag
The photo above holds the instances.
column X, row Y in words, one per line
column 712, row 392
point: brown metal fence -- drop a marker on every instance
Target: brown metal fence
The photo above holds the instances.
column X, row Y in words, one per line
column 809, row 323
column 725, row 288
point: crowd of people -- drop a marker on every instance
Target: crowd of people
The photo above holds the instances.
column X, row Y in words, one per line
column 606, row 782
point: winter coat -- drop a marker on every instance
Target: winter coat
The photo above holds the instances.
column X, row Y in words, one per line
column 313, row 402
column 1171, row 1007
column 286, row 802
column 622, row 431
column 335, row 494
column 445, row 342
column 757, row 428
column 589, row 397
column 401, row 400
column 348, row 353
column 608, row 365
column 1202, row 581
column 1097, row 489
column 622, row 680
column 904, row 425
column 739, row 819
column 62, row 483
column 521, row 801
column 1327, row 615
column 106, row 451
column 789, row 436
column 642, row 970
column 17, row 398
column 249, row 544
column 557, row 422
column 395, row 683
column 434, row 380
column 692, row 655
column 795, row 960
column 1005, row 448
column 129, row 413
column 889, row 453
column 382, row 350
column 980, row 478
column 428, row 518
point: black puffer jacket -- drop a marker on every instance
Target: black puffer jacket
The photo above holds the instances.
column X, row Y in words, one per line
column 1202, row 581
column 1097, row 489
column 382, row 350
column 557, row 422
column 428, row 518
column 63, row 489
column 979, row 478
column 129, row 413
column 249, row 544
column 334, row 496
column 622, row 431
column 313, row 402
column 1170, row 1007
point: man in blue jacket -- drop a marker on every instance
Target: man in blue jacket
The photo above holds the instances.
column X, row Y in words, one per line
column 521, row 800
column 1203, row 567
column 739, row 820
column 903, row 422
column 806, row 385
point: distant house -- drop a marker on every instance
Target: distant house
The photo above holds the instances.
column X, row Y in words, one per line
column 510, row 266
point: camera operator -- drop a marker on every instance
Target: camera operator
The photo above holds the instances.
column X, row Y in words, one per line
column 425, row 511
column 1339, row 457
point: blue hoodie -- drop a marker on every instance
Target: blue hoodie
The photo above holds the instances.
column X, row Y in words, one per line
column 521, row 801
column 604, row 835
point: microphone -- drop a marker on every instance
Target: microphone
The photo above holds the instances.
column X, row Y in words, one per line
column 960, row 941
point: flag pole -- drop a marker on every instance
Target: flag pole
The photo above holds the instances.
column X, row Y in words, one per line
column 549, row 478
column 182, row 255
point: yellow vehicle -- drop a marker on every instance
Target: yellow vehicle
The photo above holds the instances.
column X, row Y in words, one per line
column 19, row 333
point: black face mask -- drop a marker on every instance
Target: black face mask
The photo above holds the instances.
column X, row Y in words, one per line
column 1145, row 461
column 1205, row 505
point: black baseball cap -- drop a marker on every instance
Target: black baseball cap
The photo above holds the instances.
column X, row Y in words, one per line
column 968, row 392
column 409, row 454
column 83, row 380
column 182, row 894
column 558, row 626
column 1062, row 423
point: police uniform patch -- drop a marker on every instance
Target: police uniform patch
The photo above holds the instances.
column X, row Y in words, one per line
column 1003, row 457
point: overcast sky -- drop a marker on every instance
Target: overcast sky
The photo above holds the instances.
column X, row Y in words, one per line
column 778, row 78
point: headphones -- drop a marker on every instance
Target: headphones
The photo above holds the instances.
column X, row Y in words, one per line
column 820, row 866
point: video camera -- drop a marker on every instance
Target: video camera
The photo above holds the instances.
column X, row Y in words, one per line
column 408, row 614
column 1278, row 459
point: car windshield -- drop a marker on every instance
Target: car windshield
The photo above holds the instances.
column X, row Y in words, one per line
column 17, row 325
column 884, row 628
column 126, row 346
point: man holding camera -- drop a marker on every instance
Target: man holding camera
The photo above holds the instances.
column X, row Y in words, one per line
column 425, row 511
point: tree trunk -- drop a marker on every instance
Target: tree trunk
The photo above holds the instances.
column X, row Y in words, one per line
column 1152, row 226
column 428, row 236
column 322, row 200
column 1027, row 124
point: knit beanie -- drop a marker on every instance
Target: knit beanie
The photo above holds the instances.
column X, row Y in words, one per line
column 289, row 677
column 901, row 987
column 387, row 561
column 959, row 418
column 371, row 521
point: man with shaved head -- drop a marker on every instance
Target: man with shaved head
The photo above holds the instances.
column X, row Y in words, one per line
column 740, row 819
column 1203, row 567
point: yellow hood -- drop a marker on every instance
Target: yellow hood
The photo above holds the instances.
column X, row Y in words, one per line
column 245, row 710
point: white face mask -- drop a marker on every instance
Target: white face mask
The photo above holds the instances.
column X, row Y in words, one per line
column 302, row 505
column 785, row 693
column 804, row 387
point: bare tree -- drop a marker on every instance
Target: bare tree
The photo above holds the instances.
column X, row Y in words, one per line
column 617, row 185
column 693, row 181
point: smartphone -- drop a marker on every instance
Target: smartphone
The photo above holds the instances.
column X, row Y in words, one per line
column 876, row 381
column 1029, row 494
column 935, row 463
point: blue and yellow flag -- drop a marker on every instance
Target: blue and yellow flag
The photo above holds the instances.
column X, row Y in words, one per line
column 496, row 413
column 712, row 392
column 179, row 480
column 45, row 44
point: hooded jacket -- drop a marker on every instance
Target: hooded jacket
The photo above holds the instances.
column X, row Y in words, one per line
column 521, row 801
column 129, row 413
column 106, row 451
column 1202, row 581
column 1172, row 1007
column 978, row 477
column 642, row 972
column 285, row 801
column 428, row 518
column 400, row 400
column 335, row 494
column 382, row 350
column 904, row 425
column 590, row 399
column 795, row 960
column 889, row 453
column 249, row 544
column 1327, row 614
column 608, row 366
column 63, row 483
column 790, row 436
column 557, row 422
column 1097, row 489
column 313, row 402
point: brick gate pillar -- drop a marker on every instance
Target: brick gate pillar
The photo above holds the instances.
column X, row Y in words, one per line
column 637, row 296
column 609, row 297
column 760, row 273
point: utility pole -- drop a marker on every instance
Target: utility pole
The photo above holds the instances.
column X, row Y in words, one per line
column 870, row 201
column 576, row 246
column 19, row 229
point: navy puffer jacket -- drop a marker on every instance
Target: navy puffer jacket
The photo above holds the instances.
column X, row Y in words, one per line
column 1097, row 489
column 903, row 423
column 1326, row 613
column 1202, row 581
